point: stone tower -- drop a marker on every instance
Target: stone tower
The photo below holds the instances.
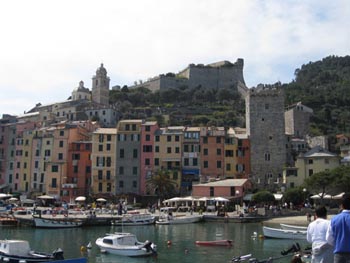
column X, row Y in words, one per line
column 266, row 130
column 100, row 86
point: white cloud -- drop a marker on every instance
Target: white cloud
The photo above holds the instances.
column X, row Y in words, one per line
column 47, row 47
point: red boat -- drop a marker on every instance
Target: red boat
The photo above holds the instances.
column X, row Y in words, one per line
column 224, row 242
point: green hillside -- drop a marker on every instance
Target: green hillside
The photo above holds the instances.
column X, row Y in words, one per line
column 324, row 86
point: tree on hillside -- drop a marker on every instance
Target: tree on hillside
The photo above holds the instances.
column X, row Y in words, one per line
column 263, row 197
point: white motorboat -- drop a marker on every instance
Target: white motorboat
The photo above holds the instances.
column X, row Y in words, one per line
column 283, row 233
column 125, row 244
column 17, row 251
column 184, row 219
column 293, row 227
column 55, row 222
column 134, row 220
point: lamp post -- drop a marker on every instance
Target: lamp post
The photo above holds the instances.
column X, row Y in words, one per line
column 239, row 202
column 304, row 191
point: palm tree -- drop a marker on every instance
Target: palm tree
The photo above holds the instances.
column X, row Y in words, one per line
column 161, row 184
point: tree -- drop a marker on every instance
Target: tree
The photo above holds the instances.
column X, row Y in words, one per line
column 161, row 184
column 321, row 182
column 263, row 197
column 294, row 195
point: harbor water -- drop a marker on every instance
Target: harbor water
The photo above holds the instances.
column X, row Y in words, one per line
column 175, row 243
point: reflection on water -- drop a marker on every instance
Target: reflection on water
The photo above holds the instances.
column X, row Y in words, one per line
column 182, row 238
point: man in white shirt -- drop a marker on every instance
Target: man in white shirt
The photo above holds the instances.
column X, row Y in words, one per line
column 322, row 252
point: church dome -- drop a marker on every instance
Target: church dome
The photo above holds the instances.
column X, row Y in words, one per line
column 81, row 88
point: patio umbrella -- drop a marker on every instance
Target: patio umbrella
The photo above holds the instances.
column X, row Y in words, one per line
column 2, row 195
column 220, row 199
column 338, row 196
column 101, row 200
column 318, row 196
column 13, row 199
column 80, row 198
column 45, row 197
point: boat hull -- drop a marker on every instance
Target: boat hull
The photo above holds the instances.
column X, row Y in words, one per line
column 224, row 243
column 56, row 223
column 293, row 227
column 179, row 220
column 283, row 234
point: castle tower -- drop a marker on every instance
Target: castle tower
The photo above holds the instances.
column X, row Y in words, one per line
column 266, row 130
column 100, row 86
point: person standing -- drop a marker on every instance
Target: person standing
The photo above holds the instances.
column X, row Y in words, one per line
column 322, row 252
column 338, row 233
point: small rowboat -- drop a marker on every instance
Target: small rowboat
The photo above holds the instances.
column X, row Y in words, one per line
column 224, row 242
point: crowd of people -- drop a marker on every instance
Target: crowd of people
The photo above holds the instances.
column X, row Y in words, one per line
column 331, row 238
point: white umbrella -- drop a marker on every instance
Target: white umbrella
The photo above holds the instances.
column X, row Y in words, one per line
column 13, row 199
column 45, row 197
column 80, row 198
column 2, row 195
column 318, row 196
column 101, row 200
column 220, row 199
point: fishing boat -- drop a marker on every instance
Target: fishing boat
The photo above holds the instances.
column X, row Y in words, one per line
column 283, row 233
column 224, row 242
column 293, row 227
column 185, row 219
column 57, row 222
column 125, row 244
column 18, row 251
column 134, row 220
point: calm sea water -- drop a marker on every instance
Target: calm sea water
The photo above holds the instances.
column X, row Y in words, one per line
column 182, row 239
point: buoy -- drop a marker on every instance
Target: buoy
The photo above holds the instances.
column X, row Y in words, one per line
column 83, row 249
column 261, row 236
column 169, row 242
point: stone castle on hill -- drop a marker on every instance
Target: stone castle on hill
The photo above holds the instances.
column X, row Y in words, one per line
column 223, row 74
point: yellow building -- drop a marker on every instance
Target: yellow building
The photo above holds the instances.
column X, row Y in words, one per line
column 103, row 161
column 314, row 161
column 168, row 152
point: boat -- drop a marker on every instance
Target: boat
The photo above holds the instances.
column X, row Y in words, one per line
column 184, row 219
column 61, row 222
column 18, row 251
column 283, row 233
column 293, row 227
column 224, row 242
column 134, row 220
column 125, row 244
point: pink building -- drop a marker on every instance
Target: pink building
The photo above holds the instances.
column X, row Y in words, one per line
column 147, row 153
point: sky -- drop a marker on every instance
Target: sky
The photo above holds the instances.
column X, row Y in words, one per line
column 48, row 47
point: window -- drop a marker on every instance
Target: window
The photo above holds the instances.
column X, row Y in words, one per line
column 156, row 149
column 134, row 170
column 177, row 138
column 108, row 175
column 205, row 151
column 229, row 153
column 135, row 154
column 100, row 175
column 108, row 161
column 100, row 148
column 186, row 148
column 54, row 182
column 195, row 161
column 54, row 168
column 76, row 156
column 156, row 161
column 134, row 184
column 109, row 187
column 177, row 149
column 61, row 144
column 60, row 156
column 147, row 161
column 168, row 138
column 175, row 175
column 211, row 189
column 148, row 137
column 228, row 167
column 218, row 164
column 127, row 127
column 147, row 128
column 108, row 147
column 61, row 133
column 267, row 157
column 121, row 184
column 100, row 138
column 100, row 187
column 311, row 172
column 121, row 153
column 205, row 140
column 186, row 162
column 168, row 150
column 157, row 138
column 147, row 148
column 218, row 151
column 205, row 164
column 134, row 127
column 75, row 169
column 109, row 137
column 121, row 170
column 311, row 161
column 218, row 139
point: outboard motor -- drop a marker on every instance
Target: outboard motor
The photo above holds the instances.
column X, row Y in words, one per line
column 57, row 254
column 149, row 246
